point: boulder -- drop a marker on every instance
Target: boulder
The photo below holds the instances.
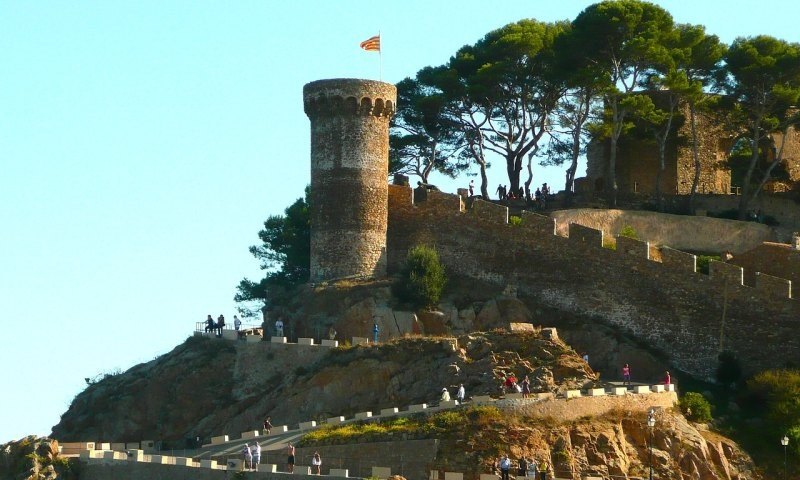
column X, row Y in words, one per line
column 489, row 317
column 433, row 322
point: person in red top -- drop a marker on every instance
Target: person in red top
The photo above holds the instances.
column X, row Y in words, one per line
column 626, row 375
column 510, row 383
column 667, row 379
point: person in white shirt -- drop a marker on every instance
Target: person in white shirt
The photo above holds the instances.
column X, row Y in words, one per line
column 316, row 462
column 445, row 395
column 255, row 451
column 248, row 457
column 236, row 323
column 461, row 393
column 505, row 465
column 279, row 328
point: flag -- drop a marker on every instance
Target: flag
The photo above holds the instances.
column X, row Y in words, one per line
column 372, row 44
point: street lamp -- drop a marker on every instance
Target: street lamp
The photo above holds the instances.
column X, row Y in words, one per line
column 785, row 443
column 651, row 422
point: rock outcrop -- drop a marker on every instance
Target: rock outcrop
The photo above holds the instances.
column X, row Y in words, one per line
column 33, row 458
column 207, row 387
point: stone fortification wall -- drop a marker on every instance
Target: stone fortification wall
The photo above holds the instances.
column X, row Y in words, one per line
column 700, row 234
column 349, row 161
column 677, row 311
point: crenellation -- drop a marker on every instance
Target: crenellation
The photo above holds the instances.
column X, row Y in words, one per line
column 726, row 272
column 590, row 236
column 678, row 260
column 537, row 224
column 631, row 246
column 490, row 213
column 779, row 287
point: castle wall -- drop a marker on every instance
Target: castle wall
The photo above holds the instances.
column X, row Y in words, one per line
column 349, row 161
column 774, row 259
column 683, row 232
column 637, row 158
column 674, row 310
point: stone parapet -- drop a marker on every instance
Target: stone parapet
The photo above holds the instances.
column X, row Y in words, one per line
column 630, row 246
column 585, row 235
column 678, row 260
column 778, row 287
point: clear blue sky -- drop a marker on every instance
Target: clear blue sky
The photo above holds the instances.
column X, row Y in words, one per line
column 142, row 145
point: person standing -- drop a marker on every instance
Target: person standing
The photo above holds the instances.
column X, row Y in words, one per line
column 279, row 328
column 471, row 188
column 375, row 331
column 505, row 465
column 290, row 458
column 255, row 452
column 237, row 324
column 220, row 324
column 523, row 467
column 526, row 387
column 667, row 378
column 543, row 469
column 316, row 462
column 248, row 457
column 461, row 393
column 626, row 375
column 267, row 425
column 210, row 325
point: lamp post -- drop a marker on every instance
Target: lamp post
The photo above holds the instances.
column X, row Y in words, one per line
column 651, row 422
column 785, row 443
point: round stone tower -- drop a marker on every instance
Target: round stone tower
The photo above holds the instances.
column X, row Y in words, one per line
column 349, row 176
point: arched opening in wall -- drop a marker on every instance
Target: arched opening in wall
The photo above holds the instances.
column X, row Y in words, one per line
column 366, row 106
column 389, row 106
column 379, row 106
column 740, row 157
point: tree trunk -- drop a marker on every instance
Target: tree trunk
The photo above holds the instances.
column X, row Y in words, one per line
column 744, row 200
column 696, row 157
column 611, row 181
column 484, row 180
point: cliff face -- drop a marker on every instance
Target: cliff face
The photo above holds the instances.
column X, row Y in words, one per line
column 612, row 446
column 208, row 387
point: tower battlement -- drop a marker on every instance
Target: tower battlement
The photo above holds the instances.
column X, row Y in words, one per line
column 347, row 96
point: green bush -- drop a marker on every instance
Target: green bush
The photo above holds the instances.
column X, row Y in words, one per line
column 514, row 221
column 695, row 407
column 703, row 261
column 628, row 231
column 422, row 279
column 778, row 392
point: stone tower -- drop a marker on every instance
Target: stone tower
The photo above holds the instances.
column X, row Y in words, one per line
column 349, row 176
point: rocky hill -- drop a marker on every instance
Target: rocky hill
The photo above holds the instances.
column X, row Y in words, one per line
column 206, row 387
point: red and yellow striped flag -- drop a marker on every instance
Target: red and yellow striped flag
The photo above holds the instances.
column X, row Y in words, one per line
column 372, row 44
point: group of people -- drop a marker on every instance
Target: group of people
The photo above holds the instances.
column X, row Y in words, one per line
column 461, row 393
column 316, row 460
column 626, row 376
column 219, row 325
column 252, row 455
column 539, row 196
column 512, row 385
column 525, row 468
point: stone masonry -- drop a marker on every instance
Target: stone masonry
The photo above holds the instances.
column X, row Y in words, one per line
column 349, row 161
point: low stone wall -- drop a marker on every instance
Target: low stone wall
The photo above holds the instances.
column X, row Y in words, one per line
column 699, row 234
column 565, row 410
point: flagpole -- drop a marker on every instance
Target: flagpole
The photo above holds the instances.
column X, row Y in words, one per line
column 380, row 58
